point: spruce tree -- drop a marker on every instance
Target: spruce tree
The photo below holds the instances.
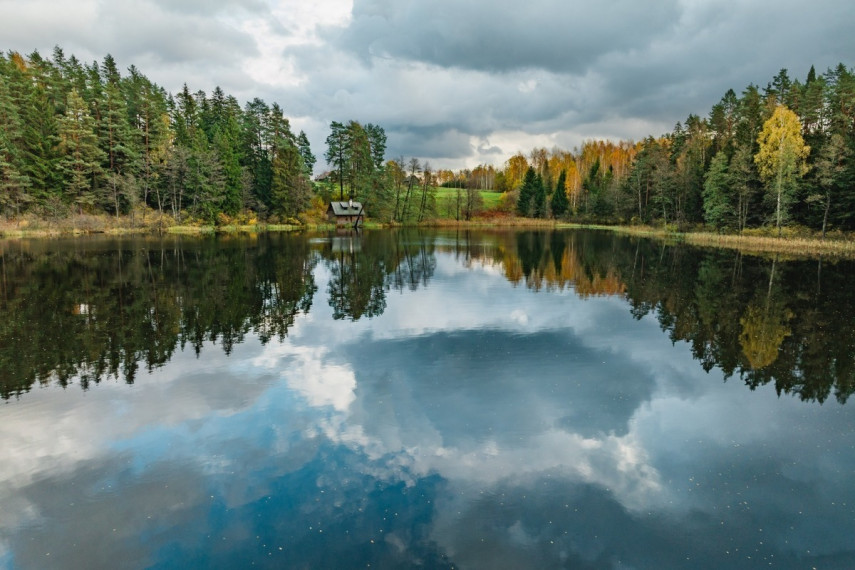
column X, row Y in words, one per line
column 115, row 139
column 560, row 205
column 255, row 155
column 718, row 206
column 290, row 189
column 309, row 159
column 527, row 190
column 13, row 182
column 81, row 157
column 226, row 141
column 39, row 148
column 539, row 197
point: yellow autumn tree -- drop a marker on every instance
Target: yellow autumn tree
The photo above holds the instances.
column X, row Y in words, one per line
column 516, row 167
column 763, row 331
column 782, row 159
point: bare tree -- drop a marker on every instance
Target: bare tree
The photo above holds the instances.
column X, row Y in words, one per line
column 414, row 168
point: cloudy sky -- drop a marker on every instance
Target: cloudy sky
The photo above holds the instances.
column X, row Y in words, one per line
column 457, row 83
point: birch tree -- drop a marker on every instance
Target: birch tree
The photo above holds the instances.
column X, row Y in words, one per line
column 782, row 159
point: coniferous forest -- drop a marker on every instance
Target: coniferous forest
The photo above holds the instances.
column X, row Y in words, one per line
column 81, row 138
column 86, row 138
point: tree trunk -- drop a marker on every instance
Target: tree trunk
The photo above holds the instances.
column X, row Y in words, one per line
column 779, row 208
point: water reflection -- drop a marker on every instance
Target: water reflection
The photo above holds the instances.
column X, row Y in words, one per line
column 364, row 267
column 86, row 310
column 762, row 319
column 468, row 400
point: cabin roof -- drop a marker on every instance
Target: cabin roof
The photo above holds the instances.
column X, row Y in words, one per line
column 346, row 209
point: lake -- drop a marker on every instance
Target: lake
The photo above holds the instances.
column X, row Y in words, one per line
column 401, row 399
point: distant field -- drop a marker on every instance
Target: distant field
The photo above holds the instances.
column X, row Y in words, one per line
column 491, row 199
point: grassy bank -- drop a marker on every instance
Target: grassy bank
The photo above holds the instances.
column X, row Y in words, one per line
column 758, row 241
column 794, row 242
column 151, row 223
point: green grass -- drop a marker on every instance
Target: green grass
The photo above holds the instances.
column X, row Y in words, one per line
column 443, row 195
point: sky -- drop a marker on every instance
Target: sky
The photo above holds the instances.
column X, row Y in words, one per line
column 455, row 83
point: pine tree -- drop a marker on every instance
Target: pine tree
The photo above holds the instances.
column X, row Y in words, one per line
column 360, row 163
column 723, row 121
column 336, row 153
column 305, row 148
column 377, row 139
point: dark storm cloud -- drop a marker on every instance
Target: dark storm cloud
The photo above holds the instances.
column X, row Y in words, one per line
column 437, row 141
column 504, row 35
column 578, row 71
column 493, row 403
column 723, row 45
column 486, row 148
column 443, row 76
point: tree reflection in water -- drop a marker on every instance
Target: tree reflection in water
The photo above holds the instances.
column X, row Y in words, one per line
column 84, row 310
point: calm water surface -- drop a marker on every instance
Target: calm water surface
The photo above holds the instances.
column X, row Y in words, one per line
column 436, row 400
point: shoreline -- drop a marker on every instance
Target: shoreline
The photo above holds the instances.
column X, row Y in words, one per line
column 754, row 243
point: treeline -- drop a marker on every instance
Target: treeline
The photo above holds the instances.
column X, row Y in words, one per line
column 83, row 138
column 783, row 154
column 78, row 137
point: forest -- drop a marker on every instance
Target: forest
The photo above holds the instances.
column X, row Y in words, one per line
column 81, row 138
column 774, row 157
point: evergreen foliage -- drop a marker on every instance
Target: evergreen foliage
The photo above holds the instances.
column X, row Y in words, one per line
column 559, row 202
column 539, row 202
column 527, row 192
column 85, row 138
column 718, row 210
